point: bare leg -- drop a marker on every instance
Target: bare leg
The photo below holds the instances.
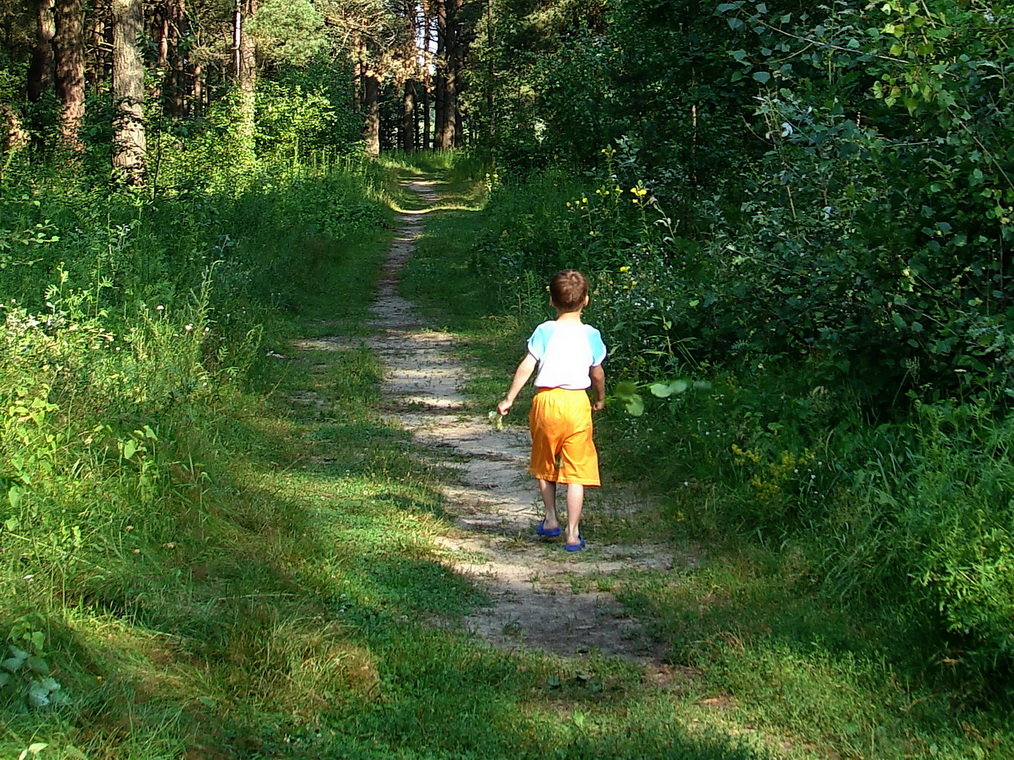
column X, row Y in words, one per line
column 575, row 502
column 547, row 489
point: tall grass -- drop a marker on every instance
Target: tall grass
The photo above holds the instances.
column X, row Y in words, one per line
column 137, row 327
column 850, row 582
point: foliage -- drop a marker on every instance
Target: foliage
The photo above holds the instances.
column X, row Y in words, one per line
column 288, row 32
column 792, row 602
column 811, row 206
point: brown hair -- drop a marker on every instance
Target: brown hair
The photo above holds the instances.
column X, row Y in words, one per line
column 568, row 289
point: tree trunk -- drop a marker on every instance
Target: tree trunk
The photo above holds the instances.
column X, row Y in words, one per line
column 13, row 136
column 68, row 45
column 40, row 71
column 129, row 150
column 408, row 118
column 440, row 77
column 427, row 83
column 98, row 58
column 372, row 107
column 447, row 136
column 177, row 75
column 198, row 87
column 164, row 20
column 453, row 40
column 245, row 61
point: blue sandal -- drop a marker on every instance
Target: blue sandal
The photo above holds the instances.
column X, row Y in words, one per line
column 542, row 530
column 575, row 547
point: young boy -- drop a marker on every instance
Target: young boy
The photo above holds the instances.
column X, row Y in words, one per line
column 568, row 355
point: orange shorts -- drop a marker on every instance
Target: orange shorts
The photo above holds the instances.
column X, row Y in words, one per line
column 562, row 446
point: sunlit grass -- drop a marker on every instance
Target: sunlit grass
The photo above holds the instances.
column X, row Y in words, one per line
column 761, row 644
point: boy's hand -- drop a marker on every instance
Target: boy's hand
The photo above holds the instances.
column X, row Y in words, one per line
column 599, row 405
column 504, row 406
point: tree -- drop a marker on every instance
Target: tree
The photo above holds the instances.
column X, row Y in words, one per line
column 456, row 25
column 68, row 45
column 245, row 65
column 40, row 71
column 129, row 151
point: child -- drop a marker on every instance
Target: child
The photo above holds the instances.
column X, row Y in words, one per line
column 568, row 355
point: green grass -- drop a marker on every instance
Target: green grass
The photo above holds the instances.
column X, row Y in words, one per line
column 283, row 594
column 280, row 593
column 765, row 646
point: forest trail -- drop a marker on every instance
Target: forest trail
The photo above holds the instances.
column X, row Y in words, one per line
column 542, row 597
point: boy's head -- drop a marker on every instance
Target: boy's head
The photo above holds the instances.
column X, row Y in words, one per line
column 568, row 290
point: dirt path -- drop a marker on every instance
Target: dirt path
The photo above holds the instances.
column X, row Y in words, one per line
column 542, row 596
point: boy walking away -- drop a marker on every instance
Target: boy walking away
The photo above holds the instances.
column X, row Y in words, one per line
column 568, row 355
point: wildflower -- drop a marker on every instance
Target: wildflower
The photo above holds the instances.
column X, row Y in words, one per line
column 189, row 328
column 624, row 269
column 160, row 308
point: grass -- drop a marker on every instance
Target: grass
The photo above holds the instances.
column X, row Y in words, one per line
column 763, row 645
column 282, row 594
column 285, row 596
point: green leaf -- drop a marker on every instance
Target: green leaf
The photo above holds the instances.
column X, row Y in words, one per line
column 665, row 390
column 38, row 695
column 625, row 390
column 33, row 749
column 659, row 390
column 762, row 76
column 635, row 406
column 129, row 448
column 38, row 665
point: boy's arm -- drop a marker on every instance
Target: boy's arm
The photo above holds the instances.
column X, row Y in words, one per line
column 598, row 378
column 521, row 376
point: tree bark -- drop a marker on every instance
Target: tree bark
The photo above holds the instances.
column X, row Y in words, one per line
column 427, row 81
column 372, row 107
column 440, row 76
column 408, row 117
column 129, row 148
column 98, row 48
column 13, row 136
column 453, row 41
column 40, row 71
column 245, row 61
column 164, row 19
column 68, row 45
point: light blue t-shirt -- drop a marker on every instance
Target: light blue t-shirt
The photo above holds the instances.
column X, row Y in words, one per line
column 565, row 352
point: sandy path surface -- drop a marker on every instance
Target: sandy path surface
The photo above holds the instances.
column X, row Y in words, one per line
column 542, row 596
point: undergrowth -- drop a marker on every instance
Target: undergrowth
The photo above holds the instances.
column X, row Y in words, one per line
column 836, row 562
column 214, row 545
